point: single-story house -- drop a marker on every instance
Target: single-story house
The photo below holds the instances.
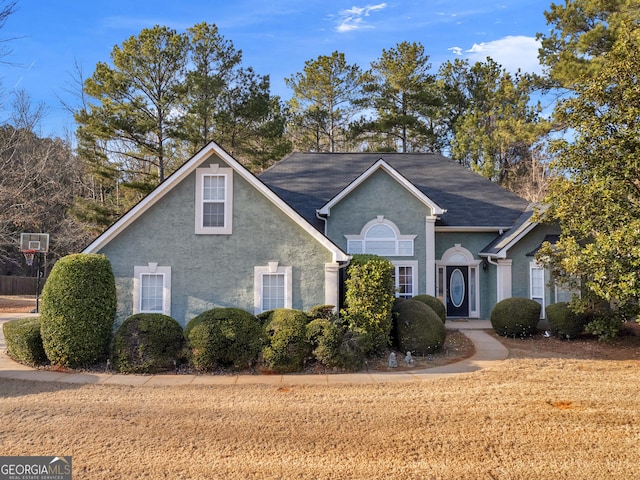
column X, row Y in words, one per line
column 213, row 234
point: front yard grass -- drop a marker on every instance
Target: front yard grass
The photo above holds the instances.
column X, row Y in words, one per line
column 537, row 415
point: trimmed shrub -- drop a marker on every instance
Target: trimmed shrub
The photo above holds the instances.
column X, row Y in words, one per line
column 24, row 342
column 334, row 345
column 563, row 321
column 224, row 337
column 435, row 304
column 147, row 343
column 515, row 317
column 322, row 311
column 78, row 310
column 286, row 341
column 419, row 329
column 369, row 296
column 264, row 317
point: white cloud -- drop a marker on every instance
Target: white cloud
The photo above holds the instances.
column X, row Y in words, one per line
column 455, row 50
column 353, row 18
column 511, row 52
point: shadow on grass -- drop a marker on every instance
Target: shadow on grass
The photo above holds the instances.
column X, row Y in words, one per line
column 18, row 387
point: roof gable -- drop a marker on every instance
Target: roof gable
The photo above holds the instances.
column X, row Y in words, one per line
column 182, row 173
column 501, row 245
column 384, row 166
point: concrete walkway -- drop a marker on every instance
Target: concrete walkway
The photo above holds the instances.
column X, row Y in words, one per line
column 487, row 351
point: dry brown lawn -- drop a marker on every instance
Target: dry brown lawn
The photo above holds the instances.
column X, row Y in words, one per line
column 542, row 414
column 552, row 410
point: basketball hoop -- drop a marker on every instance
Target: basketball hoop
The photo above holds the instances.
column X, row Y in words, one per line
column 28, row 256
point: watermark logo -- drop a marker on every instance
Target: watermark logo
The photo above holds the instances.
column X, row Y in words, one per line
column 35, row 468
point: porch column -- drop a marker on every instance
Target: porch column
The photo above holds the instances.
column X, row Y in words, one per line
column 331, row 284
column 430, row 246
column 503, row 284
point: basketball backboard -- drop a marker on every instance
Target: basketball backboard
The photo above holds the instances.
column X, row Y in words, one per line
column 34, row 241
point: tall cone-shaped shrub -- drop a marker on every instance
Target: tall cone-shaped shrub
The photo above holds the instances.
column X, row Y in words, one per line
column 78, row 310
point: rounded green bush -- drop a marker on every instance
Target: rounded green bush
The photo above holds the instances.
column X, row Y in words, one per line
column 322, row 311
column 286, row 342
column 147, row 343
column 515, row 317
column 419, row 329
column 435, row 304
column 224, row 337
column 78, row 310
column 564, row 322
column 335, row 345
column 24, row 342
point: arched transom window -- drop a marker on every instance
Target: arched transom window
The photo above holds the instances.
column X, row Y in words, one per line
column 381, row 237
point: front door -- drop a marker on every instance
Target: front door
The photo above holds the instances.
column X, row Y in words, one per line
column 457, row 294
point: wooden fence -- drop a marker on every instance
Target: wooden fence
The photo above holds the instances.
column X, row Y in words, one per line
column 13, row 285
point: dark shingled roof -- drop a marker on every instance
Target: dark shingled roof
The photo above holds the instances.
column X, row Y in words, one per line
column 307, row 181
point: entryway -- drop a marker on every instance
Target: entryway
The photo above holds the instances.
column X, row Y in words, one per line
column 457, row 303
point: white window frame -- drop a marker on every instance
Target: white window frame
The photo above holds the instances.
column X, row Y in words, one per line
column 358, row 243
column 214, row 170
column 414, row 277
column 458, row 256
column 152, row 269
column 561, row 293
column 270, row 269
column 536, row 267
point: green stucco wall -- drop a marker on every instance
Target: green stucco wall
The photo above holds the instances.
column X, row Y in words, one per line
column 216, row 270
column 382, row 195
column 521, row 263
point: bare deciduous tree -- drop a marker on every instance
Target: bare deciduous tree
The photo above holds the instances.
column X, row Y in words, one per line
column 39, row 179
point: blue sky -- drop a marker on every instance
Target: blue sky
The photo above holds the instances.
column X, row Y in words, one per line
column 49, row 38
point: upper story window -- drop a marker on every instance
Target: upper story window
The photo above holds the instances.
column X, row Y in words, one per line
column 381, row 237
column 214, row 197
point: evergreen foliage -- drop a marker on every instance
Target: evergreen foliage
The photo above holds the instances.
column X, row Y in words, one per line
column 286, row 347
column 581, row 34
column 335, row 345
column 323, row 102
column 515, row 317
column 147, row 343
column 493, row 124
column 24, row 342
column 563, row 321
column 435, row 304
column 78, row 310
column 404, row 96
column 223, row 337
column 369, row 296
column 419, row 329
column 595, row 193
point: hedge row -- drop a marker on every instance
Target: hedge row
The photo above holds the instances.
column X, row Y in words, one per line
column 24, row 342
column 519, row 317
column 78, row 310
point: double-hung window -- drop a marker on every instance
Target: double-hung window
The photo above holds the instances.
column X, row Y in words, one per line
column 214, row 196
column 151, row 292
column 152, row 289
column 272, row 287
column 537, row 287
column 405, row 278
